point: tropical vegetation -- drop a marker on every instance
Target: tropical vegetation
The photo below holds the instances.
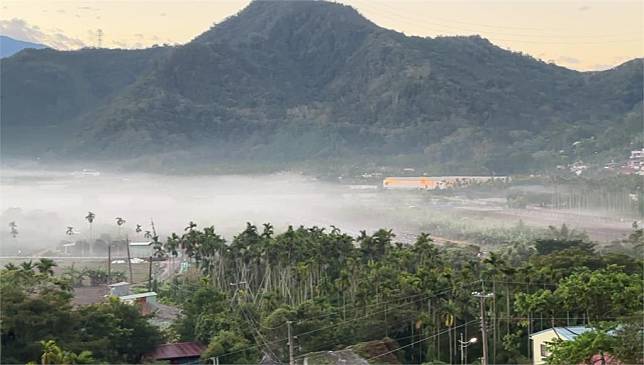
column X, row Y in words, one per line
column 338, row 290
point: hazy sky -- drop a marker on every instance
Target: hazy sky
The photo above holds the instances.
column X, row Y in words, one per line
column 582, row 35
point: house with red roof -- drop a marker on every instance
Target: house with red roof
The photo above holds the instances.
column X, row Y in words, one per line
column 177, row 353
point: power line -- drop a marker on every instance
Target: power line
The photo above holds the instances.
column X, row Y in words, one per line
column 482, row 296
column 448, row 24
column 371, row 314
column 386, row 12
column 421, row 340
column 359, row 307
column 343, row 322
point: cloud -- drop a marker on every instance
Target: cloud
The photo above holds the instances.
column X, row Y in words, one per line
column 568, row 60
column 20, row 29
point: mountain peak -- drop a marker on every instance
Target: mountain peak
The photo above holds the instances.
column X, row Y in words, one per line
column 9, row 46
column 269, row 19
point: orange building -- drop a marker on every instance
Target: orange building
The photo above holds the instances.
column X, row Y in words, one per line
column 436, row 182
column 410, row 183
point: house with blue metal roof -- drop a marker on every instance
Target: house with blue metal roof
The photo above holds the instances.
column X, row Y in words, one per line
column 541, row 340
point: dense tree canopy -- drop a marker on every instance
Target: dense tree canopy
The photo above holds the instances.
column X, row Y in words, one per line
column 339, row 290
column 38, row 318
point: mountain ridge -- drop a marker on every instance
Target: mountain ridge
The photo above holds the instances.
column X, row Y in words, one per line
column 297, row 81
column 10, row 46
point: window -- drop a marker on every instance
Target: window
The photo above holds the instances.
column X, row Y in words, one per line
column 544, row 350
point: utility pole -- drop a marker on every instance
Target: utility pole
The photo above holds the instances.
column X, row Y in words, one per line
column 462, row 343
column 129, row 259
column 150, row 274
column 291, row 360
column 109, row 263
column 482, row 296
column 99, row 37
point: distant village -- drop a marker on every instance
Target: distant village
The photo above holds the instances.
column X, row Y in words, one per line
column 634, row 165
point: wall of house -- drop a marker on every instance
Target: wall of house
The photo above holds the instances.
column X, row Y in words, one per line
column 539, row 343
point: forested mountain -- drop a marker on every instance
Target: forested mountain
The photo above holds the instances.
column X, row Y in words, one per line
column 10, row 46
column 298, row 81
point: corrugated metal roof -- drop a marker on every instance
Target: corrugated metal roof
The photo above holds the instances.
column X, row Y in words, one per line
column 119, row 284
column 569, row 333
column 177, row 350
column 148, row 243
column 140, row 295
column 566, row 333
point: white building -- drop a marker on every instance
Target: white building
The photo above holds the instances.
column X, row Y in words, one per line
column 636, row 160
column 541, row 340
column 146, row 303
column 141, row 249
column 119, row 289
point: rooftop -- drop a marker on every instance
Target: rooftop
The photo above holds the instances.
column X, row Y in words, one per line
column 140, row 295
column 177, row 350
column 122, row 283
column 566, row 333
column 148, row 243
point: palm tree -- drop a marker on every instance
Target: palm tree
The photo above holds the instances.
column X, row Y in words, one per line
column 90, row 218
column 172, row 244
column 14, row 229
column 496, row 262
column 120, row 221
column 46, row 266
column 70, row 233
column 27, row 266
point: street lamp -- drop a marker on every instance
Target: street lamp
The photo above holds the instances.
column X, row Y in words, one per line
column 464, row 345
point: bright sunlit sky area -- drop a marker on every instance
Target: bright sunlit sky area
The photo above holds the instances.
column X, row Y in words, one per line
column 581, row 35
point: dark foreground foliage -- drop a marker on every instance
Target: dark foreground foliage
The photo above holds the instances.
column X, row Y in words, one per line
column 37, row 318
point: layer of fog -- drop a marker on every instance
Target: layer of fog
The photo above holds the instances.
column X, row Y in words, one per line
column 44, row 203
